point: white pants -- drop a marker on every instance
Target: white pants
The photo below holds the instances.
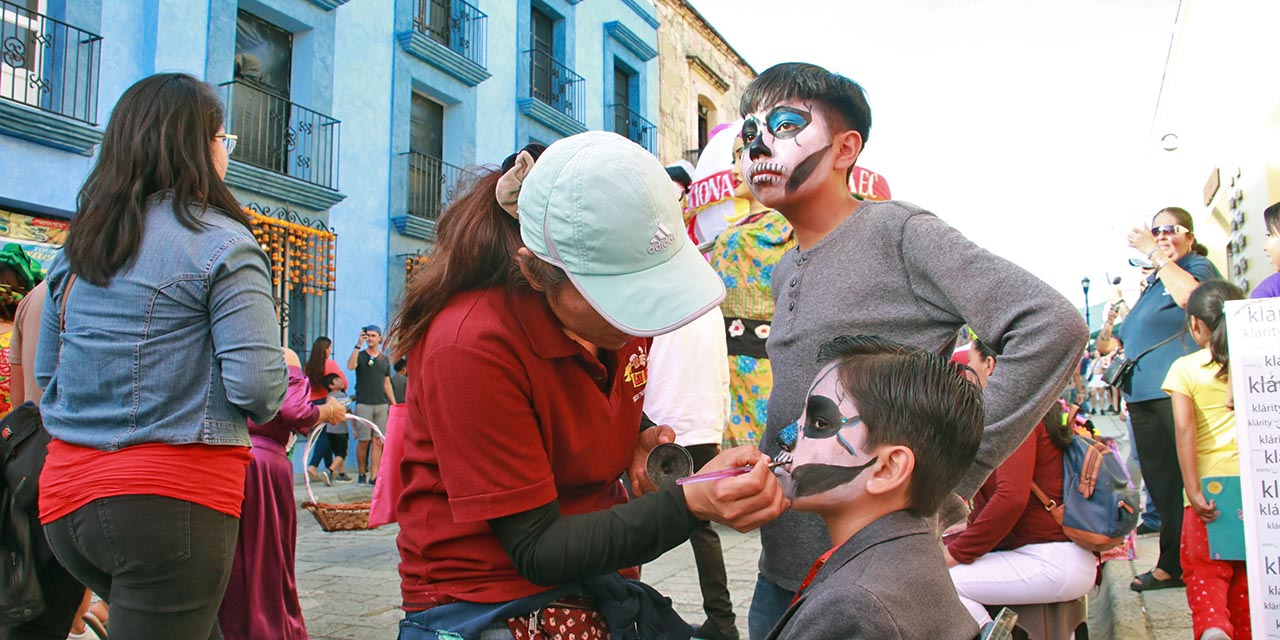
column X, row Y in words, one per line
column 1036, row 573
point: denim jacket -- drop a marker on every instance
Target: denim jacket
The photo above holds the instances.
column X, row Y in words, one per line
column 179, row 347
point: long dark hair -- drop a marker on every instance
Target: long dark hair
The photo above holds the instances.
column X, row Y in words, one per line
column 158, row 140
column 1206, row 304
column 476, row 243
column 314, row 368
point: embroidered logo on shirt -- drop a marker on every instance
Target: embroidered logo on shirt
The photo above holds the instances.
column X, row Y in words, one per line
column 662, row 238
column 636, row 372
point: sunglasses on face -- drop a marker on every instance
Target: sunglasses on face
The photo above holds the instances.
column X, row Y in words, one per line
column 1169, row 229
column 228, row 140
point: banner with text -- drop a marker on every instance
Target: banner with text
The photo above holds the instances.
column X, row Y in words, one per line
column 1253, row 336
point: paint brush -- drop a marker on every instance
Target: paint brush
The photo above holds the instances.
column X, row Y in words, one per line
column 723, row 473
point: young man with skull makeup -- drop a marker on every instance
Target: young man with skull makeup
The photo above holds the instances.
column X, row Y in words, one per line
column 886, row 432
column 878, row 268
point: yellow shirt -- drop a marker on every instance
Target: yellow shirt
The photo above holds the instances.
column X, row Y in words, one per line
column 1193, row 375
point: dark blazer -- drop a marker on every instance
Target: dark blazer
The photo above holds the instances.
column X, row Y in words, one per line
column 889, row 581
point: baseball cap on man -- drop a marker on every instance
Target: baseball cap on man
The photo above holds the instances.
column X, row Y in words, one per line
column 372, row 328
column 598, row 206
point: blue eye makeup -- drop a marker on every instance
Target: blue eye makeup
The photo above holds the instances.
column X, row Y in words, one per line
column 787, row 122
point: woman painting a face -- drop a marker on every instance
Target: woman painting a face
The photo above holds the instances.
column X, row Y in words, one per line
column 528, row 337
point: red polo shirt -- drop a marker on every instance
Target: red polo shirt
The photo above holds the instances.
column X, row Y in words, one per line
column 505, row 413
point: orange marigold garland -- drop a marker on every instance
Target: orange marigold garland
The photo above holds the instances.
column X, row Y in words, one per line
column 307, row 255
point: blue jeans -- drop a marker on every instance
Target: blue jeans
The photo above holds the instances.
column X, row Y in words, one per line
column 768, row 605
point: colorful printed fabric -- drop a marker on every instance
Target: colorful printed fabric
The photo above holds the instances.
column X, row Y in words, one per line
column 5, row 375
column 744, row 256
column 750, row 381
column 563, row 620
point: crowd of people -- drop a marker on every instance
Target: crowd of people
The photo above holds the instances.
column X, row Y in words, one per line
column 557, row 336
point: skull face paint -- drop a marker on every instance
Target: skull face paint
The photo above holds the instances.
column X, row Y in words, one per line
column 829, row 452
column 784, row 148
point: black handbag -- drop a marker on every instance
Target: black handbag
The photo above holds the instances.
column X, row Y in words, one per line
column 1121, row 368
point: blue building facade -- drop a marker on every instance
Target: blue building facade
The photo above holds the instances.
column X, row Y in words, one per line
column 360, row 117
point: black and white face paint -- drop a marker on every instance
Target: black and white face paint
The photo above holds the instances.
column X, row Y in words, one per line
column 784, row 148
column 829, row 452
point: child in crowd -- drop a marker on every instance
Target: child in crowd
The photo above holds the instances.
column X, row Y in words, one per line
column 1217, row 590
column 337, row 434
column 1270, row 287
column 886, row 432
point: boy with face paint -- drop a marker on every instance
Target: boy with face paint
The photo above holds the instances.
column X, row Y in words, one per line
column 878, row 268
column 886, row 431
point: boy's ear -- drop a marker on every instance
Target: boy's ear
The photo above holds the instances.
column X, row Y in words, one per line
column 847, row 146
column 893, row 470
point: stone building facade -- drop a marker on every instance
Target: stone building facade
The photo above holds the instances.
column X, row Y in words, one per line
column 702, row 78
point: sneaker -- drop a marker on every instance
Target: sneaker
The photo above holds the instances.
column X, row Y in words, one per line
column 342, row 477
column 317, row 475
column 360, row 479
column 373, row 481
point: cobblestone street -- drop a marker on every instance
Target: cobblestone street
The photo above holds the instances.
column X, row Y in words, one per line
column 350, row 588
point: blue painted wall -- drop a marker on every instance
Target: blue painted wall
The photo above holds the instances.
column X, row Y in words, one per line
column 347, row 63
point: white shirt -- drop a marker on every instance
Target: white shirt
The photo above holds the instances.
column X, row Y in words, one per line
column 688, row 386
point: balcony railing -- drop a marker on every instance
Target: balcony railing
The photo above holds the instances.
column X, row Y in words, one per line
column 455, row 24
column 630, row 124
column 554, row 84
column 433, row 183
column 48, row 64
column 281, row 136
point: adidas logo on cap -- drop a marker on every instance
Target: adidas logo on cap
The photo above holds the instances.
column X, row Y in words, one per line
column 662, row 238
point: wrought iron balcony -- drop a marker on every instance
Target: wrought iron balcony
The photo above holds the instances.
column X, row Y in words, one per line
column 281, row 136
column 455, row 24
column 552, row 83
column 48, row 64
column 630, row 124
column 433, row 183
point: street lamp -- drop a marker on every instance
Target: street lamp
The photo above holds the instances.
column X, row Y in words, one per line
column 1084, row 284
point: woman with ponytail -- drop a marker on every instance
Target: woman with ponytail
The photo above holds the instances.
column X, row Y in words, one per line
column 1217, row 591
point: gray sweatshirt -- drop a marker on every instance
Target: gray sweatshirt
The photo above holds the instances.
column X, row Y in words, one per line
column 897, row 271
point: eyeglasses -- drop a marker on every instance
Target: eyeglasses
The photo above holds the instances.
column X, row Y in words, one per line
column 228, row 141
column 1170, row 229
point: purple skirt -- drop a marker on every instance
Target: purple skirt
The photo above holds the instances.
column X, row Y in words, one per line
column 262, row 596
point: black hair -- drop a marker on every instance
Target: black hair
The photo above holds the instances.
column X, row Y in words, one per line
column 1271, row 217
column 915, row 399
column 401, row 364
column 982, row 348
column 843, row 101
column 1206, row 304
column 679, row 175
column 535, row 150
column 330, row 378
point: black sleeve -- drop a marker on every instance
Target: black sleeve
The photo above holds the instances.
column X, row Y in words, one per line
column 550, row 549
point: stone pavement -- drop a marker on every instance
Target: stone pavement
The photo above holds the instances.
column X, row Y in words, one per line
column 350, row 589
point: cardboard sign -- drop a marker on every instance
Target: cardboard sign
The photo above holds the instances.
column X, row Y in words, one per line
column 1253, row 336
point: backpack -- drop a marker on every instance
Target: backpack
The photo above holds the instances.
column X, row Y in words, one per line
column 23, row 444
column 1098, row 507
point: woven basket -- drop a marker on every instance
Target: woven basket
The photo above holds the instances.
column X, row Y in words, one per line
column 336, row 516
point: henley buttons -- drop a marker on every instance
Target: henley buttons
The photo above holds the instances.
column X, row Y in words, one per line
column 791, row 306
column 794, row 281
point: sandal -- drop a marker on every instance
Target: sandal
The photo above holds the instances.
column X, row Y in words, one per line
column 1149, row 582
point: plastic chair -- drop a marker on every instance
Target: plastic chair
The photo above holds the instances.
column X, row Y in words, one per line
column 1052, row 620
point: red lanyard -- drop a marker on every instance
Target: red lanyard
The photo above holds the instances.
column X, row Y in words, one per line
column 817, row 566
